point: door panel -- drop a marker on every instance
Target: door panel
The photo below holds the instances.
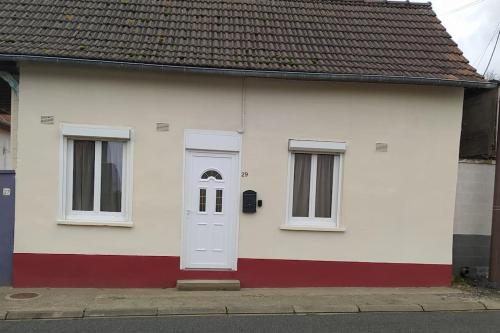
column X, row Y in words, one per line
column 211, row 203
column 7, row 196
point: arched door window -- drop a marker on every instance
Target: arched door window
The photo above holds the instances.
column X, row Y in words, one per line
column 211, row 174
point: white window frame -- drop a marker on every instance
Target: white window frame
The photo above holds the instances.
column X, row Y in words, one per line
column 67, row 215
column 315, row 148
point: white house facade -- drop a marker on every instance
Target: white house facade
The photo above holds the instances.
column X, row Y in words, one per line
column 255, row 133
column 141, row 171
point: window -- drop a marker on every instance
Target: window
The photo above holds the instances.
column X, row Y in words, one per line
column 314, row 186
column 211, row 174
column 218, row 201
column 203, row 200
column 96, row 180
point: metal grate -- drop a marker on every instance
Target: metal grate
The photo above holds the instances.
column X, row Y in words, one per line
column 47, row 120
column 21, row 296
column 162, row 127
column 381, row 147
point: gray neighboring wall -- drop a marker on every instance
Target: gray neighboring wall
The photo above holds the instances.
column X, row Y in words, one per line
column 478, row 138
column 473, row 210
column 472, row 253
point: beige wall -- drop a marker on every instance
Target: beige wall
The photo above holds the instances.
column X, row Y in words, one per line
column 396, row 206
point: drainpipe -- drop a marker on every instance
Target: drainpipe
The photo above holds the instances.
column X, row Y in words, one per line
column 494, row 275
column 241, row 130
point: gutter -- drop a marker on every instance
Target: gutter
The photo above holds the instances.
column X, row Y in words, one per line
column 253, row 73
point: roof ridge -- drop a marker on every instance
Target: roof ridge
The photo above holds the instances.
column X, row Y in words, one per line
column 387, row 2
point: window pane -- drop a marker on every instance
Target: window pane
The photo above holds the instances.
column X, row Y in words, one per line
column 324, row 183
column 301, row 185
column 218, row 201
column 203, row 200
column 83, row 175
column 111, row 176
column 211, row 173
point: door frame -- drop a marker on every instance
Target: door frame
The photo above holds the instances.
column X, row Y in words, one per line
column 216, row 142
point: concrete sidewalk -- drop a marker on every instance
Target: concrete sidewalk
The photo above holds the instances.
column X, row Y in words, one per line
column 80, row 303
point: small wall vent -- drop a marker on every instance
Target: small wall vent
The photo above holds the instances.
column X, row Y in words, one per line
column 162, row 127
column 381, row 147
column 47, row 120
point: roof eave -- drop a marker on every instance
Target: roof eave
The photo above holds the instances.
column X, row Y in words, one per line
column 255, row 73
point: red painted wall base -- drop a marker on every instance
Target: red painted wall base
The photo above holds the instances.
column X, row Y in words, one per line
column 110, row 271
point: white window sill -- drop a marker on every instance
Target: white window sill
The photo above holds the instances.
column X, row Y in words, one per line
column 311, row 228
column 96, row 223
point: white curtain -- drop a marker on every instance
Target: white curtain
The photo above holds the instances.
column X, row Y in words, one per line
column 324, row 182
column 301, row 185
column 111, row 176
column 83, row 175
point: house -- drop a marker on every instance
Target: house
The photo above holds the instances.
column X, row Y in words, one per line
column 476, row 182
column 280, row 143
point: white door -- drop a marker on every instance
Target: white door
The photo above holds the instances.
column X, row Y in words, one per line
column 211, row 210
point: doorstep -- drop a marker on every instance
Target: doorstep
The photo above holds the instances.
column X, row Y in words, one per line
column 208, row 285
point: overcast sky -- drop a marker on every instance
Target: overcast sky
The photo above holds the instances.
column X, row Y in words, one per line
column 473, row 24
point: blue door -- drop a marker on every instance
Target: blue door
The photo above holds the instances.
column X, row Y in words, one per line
column 7, row 196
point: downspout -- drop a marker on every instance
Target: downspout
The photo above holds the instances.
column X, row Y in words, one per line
column 494, row 274
column 498, row 111
column 243, row 105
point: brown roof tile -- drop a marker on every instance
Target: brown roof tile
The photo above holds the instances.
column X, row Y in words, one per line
column 363, row 37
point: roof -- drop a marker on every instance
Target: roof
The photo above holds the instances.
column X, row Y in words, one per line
column 333, row 39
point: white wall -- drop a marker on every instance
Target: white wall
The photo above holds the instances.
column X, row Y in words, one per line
column 474, row 203
column 396, row 206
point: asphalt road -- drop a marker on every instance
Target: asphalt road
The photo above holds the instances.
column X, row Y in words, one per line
column 441, row 322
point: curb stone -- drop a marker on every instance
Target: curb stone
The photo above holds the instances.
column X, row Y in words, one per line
column 192, row 310
column 390, row 308
column 462, row 306
column 119, row 312
column 326, row 308
column 43, row 314
column 237, row 309
column 260, row 309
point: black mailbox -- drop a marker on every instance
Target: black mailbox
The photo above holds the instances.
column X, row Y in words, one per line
column 249, row 201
